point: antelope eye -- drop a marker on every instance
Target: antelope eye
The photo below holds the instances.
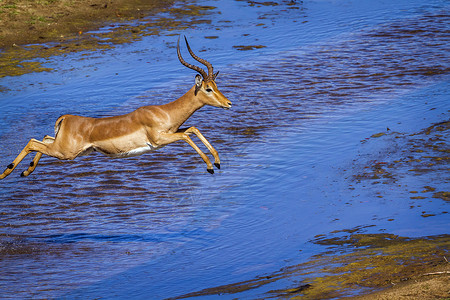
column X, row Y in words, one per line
column 208, row 90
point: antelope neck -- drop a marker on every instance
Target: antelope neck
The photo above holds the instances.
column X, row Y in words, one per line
column 181, row 109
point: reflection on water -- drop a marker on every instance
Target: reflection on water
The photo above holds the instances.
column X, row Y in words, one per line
column 71, row 224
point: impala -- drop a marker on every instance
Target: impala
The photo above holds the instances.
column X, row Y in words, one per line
column 143, row 130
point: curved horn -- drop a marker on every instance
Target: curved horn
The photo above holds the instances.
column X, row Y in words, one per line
column 203, row 61
column 195, row 68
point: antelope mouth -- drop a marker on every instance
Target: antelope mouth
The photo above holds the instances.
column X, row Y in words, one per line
column 227, row 106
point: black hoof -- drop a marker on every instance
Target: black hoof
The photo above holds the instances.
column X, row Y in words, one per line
column 22, row 174
column 211, row 171
column 217, row 165
column 10, row 166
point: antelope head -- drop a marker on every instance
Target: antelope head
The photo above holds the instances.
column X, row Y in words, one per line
column 205, row 86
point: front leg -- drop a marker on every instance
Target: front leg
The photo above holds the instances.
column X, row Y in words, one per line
column 168, row 138
column 211, row 149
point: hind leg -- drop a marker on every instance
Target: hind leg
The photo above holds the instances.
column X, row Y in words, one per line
column 33, row 145
column 48, row 140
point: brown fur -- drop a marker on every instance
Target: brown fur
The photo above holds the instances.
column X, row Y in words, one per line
column 145, row 129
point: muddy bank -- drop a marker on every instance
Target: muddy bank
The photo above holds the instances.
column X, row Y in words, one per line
column 26, row 22
column 413, row 268
column 433, row 285
column 123, row 22
column 26, row 27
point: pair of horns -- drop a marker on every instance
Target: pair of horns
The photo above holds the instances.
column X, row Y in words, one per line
column 206, row 77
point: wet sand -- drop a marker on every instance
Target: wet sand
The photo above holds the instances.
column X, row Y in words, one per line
column 433, row 285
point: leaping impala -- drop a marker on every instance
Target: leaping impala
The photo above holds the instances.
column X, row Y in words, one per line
column 143, row 130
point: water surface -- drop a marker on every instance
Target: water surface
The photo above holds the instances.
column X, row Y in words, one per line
column 322, row 78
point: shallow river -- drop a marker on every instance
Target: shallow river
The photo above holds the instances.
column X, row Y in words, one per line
column 311, row 82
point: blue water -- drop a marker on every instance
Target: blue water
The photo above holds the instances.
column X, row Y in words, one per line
column 332, row 74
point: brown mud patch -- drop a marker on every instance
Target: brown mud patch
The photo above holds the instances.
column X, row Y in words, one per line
column 249, row 47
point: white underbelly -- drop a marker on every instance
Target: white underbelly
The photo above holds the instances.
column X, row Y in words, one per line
column 132, row 152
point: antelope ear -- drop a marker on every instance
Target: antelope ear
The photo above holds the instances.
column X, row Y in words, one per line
column 198, row 80
column 198, row 83
column 215, row 75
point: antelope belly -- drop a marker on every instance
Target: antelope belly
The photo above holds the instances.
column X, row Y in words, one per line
column 132, row 152
column 137, row 151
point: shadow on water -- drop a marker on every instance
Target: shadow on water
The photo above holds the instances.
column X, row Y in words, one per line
column 159, row 224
